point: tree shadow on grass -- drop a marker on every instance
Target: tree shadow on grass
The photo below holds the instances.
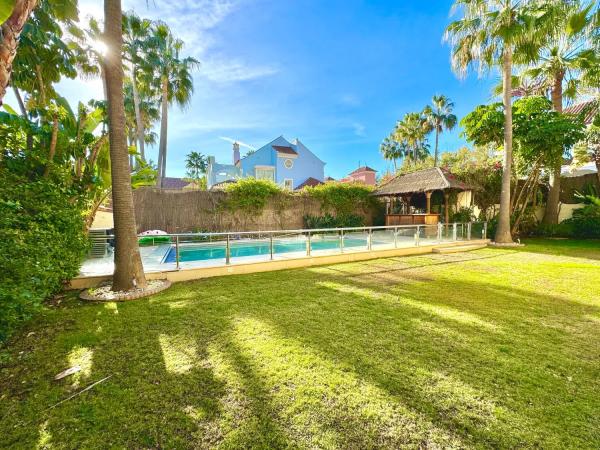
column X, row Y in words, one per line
column 162, row 391
column 463, row 354
column 520, row 364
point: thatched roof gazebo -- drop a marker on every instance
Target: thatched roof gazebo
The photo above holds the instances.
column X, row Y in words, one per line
column 425, row 182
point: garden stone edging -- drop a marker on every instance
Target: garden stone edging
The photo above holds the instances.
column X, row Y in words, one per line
column 161, row 285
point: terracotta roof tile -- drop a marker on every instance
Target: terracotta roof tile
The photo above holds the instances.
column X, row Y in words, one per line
column 284, row 149
column 363, row 169
column 309, row 182
column 590, row 108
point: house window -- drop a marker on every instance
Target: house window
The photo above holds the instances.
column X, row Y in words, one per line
column 288, row 163
column 264, row 173
column 288, row 184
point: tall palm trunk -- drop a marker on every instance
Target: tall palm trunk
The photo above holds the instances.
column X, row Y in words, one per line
column 129, row 271
column 551, row 213
column 139, row 125
column 437, row 138
column 10, row 31
column 162, row 148
column 503, row 235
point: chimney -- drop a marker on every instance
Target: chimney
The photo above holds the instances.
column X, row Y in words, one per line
column 236, row 153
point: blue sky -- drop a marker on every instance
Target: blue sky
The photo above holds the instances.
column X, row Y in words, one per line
column 337, row 74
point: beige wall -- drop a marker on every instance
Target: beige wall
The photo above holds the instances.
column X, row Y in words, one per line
column 103, row 219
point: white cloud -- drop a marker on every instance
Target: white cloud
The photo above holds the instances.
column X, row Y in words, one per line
column 222, row 71
column 359, row 129
column 350, row 100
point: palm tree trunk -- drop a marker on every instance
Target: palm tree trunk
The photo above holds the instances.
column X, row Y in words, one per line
column 20, row 102
column 139, row 125
column 10, row 31
column 503, row 235
column 53, row 140
column 129, row 271
column 437, row 137
column 162, row 148
column 551, row 213
column 24, row 114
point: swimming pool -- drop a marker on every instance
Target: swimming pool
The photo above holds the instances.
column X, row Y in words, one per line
column 202, row 252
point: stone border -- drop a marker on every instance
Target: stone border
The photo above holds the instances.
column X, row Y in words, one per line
column 128, row 295
column 511, row 245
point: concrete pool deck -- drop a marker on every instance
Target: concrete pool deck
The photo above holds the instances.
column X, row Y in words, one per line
column 96, row 271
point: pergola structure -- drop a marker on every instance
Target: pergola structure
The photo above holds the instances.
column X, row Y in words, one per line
column 404, row 188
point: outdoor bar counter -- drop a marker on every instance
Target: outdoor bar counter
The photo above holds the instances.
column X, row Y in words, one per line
column 411, row 219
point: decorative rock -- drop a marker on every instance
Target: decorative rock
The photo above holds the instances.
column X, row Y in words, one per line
column 104, row 293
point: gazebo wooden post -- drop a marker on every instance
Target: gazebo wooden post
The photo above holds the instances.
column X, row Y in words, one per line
column 428, row 197
column 408, row 198
column 446, row 212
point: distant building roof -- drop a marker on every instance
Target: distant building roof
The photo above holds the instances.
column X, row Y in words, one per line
column 221, row 185
column 175, row 183
column 309, row 182
column 329, row 179
column 363, row 169
column 421, row 181
column 285, row 150
column 591, row 108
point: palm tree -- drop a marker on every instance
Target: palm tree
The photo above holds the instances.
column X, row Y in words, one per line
column 563, row 57
column 196, row 164
column 176, row 84
column 486, row 36
column 413, row 130
column 440, row 118
column 10, row 31
column 136, row 38
column 129, row 272
column 393, row 150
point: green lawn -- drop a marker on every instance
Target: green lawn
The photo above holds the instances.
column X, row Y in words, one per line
column 491, row 349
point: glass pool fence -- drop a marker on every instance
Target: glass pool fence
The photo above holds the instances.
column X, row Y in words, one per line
column 210, row 249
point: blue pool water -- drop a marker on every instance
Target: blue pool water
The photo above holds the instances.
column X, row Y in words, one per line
column 207, row 252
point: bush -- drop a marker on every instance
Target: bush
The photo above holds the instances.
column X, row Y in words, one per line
column 329, row 221
column 250, row 194
column 42, row 243
column 344, row 199
column 562, row 229
column 463, row 215
column 585, row 222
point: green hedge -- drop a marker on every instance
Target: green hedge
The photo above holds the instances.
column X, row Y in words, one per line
column 42, row 243
column 329, row 221
column 344, row 199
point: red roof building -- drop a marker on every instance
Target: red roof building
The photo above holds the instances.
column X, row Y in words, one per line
column 364, row 174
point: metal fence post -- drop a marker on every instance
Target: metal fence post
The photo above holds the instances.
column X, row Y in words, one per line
column 469, row 231
column 341, row 241
column 308, row 244
column 177, row 252
column 417, row 236
column 454, row 231
column 440, row 228
column 396, row 237
column 370, row 239
column 227, row 252
column 271, row 245
column 484, row 231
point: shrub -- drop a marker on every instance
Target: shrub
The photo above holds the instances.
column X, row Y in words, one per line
column 250, row 194
column 344, row 199
column 585, row 222
column 463, row 215
column 42, row 242
column 329, row 221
